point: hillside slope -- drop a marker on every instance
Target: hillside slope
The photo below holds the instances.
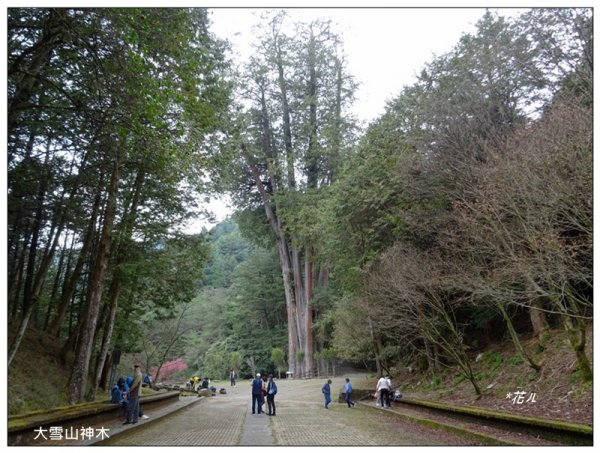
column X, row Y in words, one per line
column 556, row 392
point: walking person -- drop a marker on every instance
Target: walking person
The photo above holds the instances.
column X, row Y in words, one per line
column 326, row 389
column 383, row 387
column 271, row 392
column 134, row 397
column 232, row 377
column 256, row 394
column 348, row 391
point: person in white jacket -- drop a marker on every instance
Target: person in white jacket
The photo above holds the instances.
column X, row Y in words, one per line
column 383, row 388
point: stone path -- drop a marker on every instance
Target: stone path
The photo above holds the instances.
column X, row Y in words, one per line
column 227, row 420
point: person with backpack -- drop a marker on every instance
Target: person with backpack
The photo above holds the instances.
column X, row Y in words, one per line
column 326, row 390
column 271, row 392
column 115, row 394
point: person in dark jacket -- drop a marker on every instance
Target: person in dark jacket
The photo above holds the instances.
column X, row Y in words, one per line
column 205, row 383
column 326, row 390
column 271, row 392
column 257, row 384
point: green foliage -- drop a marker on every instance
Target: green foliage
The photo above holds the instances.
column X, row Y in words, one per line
column 278, row 358
column 226, row 318
column 235, row 360
column 494, row 360
column 436, row 381
column 459, row 378
column 515, row 360
column 481, row 375
column 228, row 249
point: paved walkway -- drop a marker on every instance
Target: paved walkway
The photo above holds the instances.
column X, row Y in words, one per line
column 227, row 420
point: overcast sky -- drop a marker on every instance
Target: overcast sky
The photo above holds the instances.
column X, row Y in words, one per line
column 385, row 47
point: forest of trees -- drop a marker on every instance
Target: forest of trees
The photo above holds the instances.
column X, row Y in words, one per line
column 461, row 215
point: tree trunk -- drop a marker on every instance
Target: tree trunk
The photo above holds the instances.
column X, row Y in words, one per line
column 538, row 320
column 116, row 285
column 20, row 334
column 576, row 329
column 77, row 382
column 57, row 281
column 287, row 131
column 287, row 270
column 67, row 294
column 515, row 337
column 115, row 291
column 300, row 312
column 29, row 296
column 308, row 276
column 105, row 372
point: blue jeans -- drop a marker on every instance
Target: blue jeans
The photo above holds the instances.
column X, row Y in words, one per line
column 256, row 401
column 348, row 400
column 327, row 399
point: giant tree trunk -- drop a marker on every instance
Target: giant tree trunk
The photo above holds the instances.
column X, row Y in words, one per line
column 300, row 312
column 308, row 320
column 79, row 374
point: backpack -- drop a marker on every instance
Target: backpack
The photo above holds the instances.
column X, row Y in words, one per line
column 115, row 394
column 273, row 389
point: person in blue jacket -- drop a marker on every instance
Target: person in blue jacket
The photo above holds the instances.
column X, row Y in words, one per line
column 257, row 384
column 348, row 391
column 115, row 394
column 128, row 383
column 271, row 392
column 326, row 390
